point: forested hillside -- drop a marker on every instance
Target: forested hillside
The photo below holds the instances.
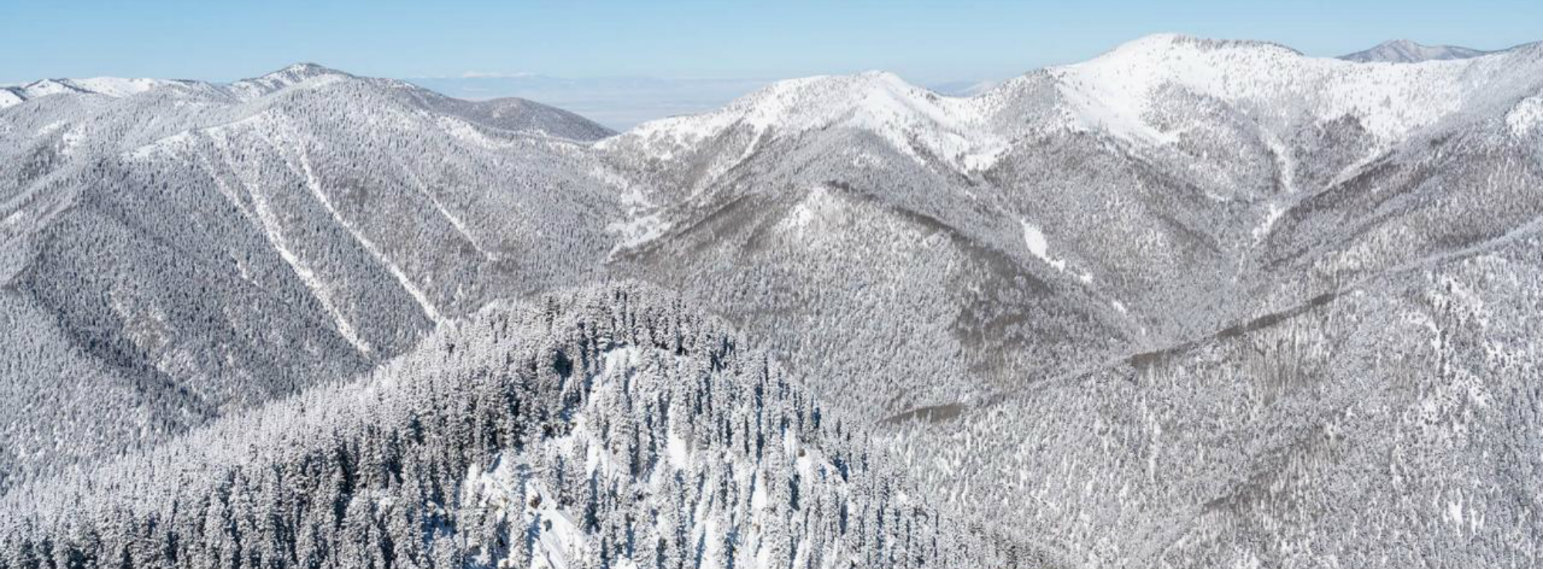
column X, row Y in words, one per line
column 193, row 249
column 610, row 427
column 1190, row 303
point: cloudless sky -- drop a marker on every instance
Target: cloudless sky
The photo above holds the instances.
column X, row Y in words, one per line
column 922, row 41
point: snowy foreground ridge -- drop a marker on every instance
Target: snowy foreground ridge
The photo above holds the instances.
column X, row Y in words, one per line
column 1191, row 303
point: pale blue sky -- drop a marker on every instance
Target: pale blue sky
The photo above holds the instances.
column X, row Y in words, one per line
column 926, row 42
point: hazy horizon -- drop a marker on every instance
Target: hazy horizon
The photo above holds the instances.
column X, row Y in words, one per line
column 926, row 42
column 623, row 63
column 623, row 101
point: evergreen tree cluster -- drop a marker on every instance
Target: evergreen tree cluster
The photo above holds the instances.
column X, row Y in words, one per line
column 604, row 428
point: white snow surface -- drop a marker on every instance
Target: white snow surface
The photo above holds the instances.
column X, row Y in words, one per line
column 108, row 86
column 1035, row 240
column 46, row 87
column 1277, row 86
column 818, row 205
column 117, row 86
column 951, row 128
column 1526, row 116
column 637, row 230
column 299, row 76
column 8, row 98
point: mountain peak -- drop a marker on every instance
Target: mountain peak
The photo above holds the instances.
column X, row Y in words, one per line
column 869, row 98
column 1168, row 42
column 906, row 117
column 1409, row 51
column 302, row 71
column 292, row 75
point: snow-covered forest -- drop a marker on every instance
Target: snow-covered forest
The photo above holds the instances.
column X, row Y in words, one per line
column 609, row 427
column 1191, row 303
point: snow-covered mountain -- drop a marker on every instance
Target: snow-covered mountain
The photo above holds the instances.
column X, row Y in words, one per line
column 1405, row 51
column 628, row 434
column 1173, row 306
column 1125, row 221
column 104, row 86
column 1199, row 167
column 199, row 249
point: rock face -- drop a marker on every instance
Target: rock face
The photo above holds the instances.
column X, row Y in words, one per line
column 1189, row 303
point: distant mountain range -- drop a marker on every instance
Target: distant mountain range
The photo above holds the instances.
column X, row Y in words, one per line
column 625, row 102
column 1192, row 302
column 618, row 102
column 1405, row 51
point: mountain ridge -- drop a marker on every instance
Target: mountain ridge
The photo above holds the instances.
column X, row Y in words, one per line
column 1160, row 307
column 1407, row 51
column 280, row 227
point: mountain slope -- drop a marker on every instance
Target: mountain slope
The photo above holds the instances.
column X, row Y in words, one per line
column 1017, row 262
column 825, row 213
column 1178, row 305
column 101, row 86
column 602, row 428
column 220, row 246
column 1380, row 426
column 1153, row 194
